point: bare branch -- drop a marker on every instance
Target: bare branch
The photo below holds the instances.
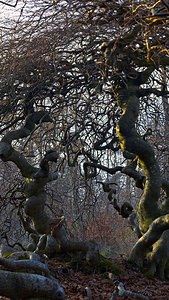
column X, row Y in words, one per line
column 8, row 4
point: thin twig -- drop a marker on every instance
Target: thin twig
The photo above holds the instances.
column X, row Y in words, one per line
column 8, row 4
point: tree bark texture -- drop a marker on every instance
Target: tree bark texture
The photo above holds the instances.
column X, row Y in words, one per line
column 49, row 235
column 20, row 284
column 152, row 218
column 152, row 225
column 24, row 286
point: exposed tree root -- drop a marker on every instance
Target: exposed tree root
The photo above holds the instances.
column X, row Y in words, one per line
column 24, row 286
column 120, row 291
column 152, row 249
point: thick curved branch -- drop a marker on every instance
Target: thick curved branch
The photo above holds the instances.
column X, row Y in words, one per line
column 30, row 122
column 36, row 195
column 128, row 170
column 8, row 153
column 148, row 239
column 50, row 155
column 148, row 91
column 18, row 159
column 88, row 165
column 38, row 177
column 130, row 141
column 24, row 286
column 21, row 265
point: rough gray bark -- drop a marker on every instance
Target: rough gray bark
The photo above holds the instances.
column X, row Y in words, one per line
column 24, row 286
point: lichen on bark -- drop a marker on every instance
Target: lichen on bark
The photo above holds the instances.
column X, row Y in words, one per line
column 48, row 234
column 23, row 275
column 128, row 89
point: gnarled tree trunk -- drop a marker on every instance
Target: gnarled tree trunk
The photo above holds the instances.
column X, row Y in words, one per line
column 128, row 87
column 48, row 235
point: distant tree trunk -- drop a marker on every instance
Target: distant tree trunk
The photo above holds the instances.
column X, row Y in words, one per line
column 166, row 124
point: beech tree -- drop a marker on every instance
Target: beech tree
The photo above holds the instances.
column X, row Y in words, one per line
column 87, row 74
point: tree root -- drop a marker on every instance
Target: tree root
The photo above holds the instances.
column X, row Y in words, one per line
column 158, row 258
column 153, row 234
column 38, row 282
column 24, row 286
column 25, row 264
column 151, row 252
column 120, row 291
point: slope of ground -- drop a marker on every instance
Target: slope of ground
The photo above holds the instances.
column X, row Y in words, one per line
column 102, row 286
column 76, row 283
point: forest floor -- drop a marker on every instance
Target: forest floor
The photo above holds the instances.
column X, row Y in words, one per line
column 101, row 286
